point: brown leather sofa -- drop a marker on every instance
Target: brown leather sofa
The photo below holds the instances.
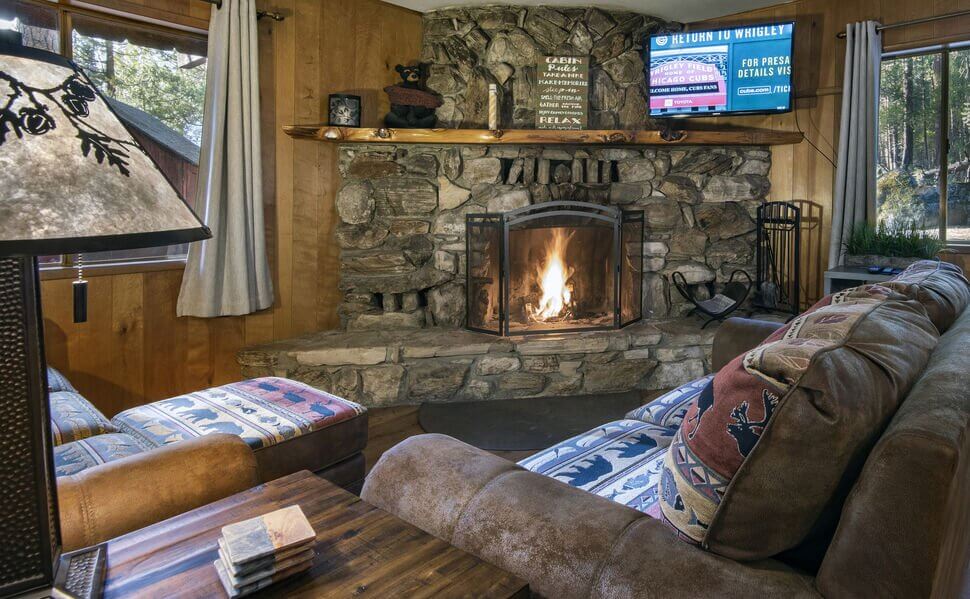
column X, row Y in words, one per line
column 118, row 497
column 902, row 511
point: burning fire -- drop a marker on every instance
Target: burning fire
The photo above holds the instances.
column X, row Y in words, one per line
column 554, row 277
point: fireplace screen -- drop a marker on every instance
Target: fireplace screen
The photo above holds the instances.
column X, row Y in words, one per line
column 554, row 267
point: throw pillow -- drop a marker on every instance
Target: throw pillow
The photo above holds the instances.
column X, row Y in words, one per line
column 766, row 447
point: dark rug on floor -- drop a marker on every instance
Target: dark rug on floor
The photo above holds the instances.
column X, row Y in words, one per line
column 524, row 424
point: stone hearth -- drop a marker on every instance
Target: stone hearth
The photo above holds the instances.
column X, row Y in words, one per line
column 393, row 367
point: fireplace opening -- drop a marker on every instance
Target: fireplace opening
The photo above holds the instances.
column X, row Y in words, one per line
column 554, row 267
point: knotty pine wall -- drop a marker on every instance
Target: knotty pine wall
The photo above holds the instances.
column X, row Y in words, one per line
column 133, row 349
column 799, row 172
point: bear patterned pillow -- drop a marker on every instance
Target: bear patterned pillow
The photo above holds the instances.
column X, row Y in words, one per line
column 769, row 444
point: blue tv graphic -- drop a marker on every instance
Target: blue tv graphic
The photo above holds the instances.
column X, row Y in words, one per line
column 733, row 70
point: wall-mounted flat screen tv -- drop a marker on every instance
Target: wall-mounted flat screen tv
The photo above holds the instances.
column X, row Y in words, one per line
column 736, row 70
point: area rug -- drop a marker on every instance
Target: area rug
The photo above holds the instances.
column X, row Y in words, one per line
column 524, row 424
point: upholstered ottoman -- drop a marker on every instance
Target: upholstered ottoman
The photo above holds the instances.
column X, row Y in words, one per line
column 290, row 426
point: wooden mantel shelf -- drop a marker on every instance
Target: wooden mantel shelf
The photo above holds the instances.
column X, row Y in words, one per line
column 726, row 137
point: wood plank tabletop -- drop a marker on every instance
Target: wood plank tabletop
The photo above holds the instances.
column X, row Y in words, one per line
column 361, row 551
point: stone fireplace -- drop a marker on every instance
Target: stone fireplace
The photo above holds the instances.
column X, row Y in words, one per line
column 421, row 234
column 554, row 267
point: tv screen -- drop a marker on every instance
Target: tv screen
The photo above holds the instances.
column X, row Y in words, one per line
column 737, row 70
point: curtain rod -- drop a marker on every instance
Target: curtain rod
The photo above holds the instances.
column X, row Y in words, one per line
column 259, row 13
column 962, row 13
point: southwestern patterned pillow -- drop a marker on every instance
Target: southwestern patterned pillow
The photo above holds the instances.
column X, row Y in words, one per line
column 783, row 429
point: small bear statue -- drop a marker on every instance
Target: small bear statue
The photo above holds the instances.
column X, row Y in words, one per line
column 412, row 105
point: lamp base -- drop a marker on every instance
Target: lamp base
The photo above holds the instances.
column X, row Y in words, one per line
column 80, row 574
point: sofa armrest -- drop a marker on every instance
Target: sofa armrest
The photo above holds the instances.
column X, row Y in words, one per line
column 118, row 497
column 564, row 541
column 736, row 336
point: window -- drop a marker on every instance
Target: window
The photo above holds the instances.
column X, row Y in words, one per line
column 154, row 79
column 923, row 167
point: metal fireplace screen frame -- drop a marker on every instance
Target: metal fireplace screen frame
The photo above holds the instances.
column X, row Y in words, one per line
column 497, row 226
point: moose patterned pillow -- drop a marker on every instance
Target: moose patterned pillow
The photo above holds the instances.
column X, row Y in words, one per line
column 779, row 434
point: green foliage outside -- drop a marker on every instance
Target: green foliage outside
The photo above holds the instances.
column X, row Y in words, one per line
column 147, row 78
column 893, row 241
column 909, row 157
column 898, row 199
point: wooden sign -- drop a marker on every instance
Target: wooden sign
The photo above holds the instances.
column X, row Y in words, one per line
column 563, row 92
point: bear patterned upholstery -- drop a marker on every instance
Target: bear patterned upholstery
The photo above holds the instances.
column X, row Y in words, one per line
column 76, row 456
column 262, row 411
column 58, row 382
column 74, row 418
column 265, row 413
column 621, row 461
column 669, row 409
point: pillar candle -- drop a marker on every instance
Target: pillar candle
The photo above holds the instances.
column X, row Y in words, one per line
column 492, row 107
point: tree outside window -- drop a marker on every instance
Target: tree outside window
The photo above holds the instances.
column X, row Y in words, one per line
column 923, row 166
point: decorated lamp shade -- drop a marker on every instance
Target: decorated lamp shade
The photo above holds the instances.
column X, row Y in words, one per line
column 72, row 177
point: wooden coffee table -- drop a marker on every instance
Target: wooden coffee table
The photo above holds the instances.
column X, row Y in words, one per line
column 361, row 551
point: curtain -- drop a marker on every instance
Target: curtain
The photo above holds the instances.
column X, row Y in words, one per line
column 855, row 174
column 229, row 274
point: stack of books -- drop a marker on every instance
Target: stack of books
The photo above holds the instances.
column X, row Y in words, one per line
column 255, row 553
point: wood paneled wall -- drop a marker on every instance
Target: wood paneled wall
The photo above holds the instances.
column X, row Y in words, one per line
column 133, row 349
column 803, row 173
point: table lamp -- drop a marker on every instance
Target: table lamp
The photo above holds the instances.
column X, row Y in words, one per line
column 72, row 179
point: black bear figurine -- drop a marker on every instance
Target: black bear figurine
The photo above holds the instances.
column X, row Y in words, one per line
column 412, row 105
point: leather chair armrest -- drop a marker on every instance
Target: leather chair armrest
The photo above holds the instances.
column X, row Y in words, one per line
column 118, row 497
column 736, row 336
column 563, row 541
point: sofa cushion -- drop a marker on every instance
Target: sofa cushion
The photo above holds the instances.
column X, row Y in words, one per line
column 939, row 286
column 74, row 418
column 57, row 381
column 668, row 410
column 314, row 428
column 620, row 461
column 783, row 430
column 76, row 456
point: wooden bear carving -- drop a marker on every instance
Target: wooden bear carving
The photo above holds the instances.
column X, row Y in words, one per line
column 412, row 105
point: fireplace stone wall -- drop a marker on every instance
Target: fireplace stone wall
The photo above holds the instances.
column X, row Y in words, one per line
column 472, row 47
column 402, row 217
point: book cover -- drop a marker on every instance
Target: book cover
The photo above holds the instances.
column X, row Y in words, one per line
column 267, row 535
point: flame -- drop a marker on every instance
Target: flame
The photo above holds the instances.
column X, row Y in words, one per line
column 554, row 278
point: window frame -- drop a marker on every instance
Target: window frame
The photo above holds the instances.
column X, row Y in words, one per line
column 943, row 51
column 65, row 11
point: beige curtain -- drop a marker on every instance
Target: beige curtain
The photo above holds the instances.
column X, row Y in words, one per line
column 855, row 175
column 229, row 274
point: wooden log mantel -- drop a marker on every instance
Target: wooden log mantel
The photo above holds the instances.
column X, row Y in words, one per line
column 726, row 137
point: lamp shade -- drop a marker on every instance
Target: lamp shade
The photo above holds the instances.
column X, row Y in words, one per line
column 72, row 177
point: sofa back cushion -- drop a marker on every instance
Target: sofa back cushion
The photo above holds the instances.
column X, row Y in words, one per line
column 939, row 286
column 890, row 535
column 764, row 450
column 73, row 418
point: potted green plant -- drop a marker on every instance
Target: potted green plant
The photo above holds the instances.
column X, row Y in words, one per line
column 896, row 246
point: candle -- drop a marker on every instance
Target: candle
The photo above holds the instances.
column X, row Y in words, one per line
column 493, row 107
